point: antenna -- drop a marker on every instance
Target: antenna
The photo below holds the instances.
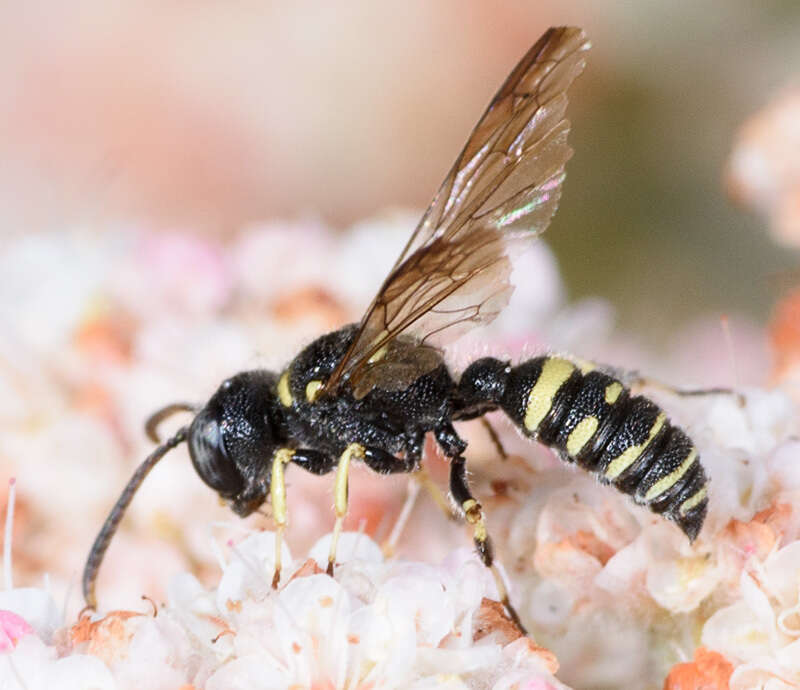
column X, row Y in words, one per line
column 151, row 425
column 109, row 528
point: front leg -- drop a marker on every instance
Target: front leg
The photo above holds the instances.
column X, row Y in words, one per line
column 311, row 460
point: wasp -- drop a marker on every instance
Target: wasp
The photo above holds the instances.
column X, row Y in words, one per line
column 372, row 391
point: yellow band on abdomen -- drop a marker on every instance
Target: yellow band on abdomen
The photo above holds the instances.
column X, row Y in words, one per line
column 693, row 501
column 612, row 392
column 581, row 434
column 666, row 482
column 555, row 372
column 621, row 463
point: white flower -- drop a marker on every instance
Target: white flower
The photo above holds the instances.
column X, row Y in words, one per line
column 376, row 624
column 761, row 631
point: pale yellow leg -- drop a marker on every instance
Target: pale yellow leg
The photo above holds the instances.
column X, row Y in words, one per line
column 420, row 479
column 424, row 479
column 390, row 544
column 280, row 511
column 340, row 496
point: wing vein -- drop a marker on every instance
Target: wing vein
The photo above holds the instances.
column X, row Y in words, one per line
column 504, row 186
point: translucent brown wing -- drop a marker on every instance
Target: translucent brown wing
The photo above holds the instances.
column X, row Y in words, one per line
column 505, row 185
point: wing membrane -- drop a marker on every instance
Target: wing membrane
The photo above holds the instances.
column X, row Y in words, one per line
column 504, row 186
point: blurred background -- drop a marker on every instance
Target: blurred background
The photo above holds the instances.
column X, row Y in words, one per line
column 207, row 116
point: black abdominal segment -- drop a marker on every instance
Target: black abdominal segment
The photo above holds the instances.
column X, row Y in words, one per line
column 591, row 419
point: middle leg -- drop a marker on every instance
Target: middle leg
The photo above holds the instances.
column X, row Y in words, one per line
column 385, row 463
column 340, row 494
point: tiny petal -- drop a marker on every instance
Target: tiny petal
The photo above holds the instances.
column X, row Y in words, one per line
column 524, row 651
column 351, row 545
column 12, row 629
column 35, row 606
column 108, row 637
column 709, row 671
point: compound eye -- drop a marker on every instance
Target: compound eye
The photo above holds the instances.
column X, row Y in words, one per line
column 210, row 458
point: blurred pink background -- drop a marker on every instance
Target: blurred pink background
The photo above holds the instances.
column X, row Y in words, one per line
column 210, row 115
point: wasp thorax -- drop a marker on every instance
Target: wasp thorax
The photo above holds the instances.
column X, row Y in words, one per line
column 310, row 370
column 232, row 438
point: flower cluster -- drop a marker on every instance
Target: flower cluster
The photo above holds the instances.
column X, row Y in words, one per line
column 761, row 631
column 376, row 624
column 585, row 560
column 107, row 329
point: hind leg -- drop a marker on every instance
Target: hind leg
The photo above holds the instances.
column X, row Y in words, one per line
column 637, row 382
column 385, row 463
column 480, row 535
column 495, row 439
column 473, row 512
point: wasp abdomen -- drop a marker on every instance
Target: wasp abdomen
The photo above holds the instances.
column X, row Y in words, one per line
column 592, row 419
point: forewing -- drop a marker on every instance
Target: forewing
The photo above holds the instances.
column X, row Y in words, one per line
column 505, row 185
column 398, row 366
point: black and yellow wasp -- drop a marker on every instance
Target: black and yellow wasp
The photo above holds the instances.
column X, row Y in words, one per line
column 372, row 391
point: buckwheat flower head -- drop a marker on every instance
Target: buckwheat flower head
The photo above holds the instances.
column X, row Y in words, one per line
column 617, row 591
column 376, row 624
column 761, row 631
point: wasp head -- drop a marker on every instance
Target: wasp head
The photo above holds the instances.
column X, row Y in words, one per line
column 232, row 439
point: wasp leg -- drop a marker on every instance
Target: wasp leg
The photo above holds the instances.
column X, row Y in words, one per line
column 313, row 461
column 422, row 477
column 495, row 438
column 280, row 511
column 483, row 544
column 637, row 382
column 414, row 444
column 310, row 460
column 385, row 463
column 340, row 496
column 453, row 447
column 390, row 543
